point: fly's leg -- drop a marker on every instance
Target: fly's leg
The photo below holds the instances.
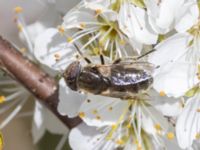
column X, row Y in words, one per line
column 145, row 54
column 102, row 59
column 101, row 56
column 81, row 54
column 136, row 58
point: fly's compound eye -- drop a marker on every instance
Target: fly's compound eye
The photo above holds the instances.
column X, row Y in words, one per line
column 71, row 74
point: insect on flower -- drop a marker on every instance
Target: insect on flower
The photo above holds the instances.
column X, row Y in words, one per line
column 121, row 79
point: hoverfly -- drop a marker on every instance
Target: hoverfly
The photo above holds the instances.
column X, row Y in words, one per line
column 122, row 79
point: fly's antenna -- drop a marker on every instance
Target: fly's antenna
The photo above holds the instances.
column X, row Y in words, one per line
column 147, row 53
column 79, row 51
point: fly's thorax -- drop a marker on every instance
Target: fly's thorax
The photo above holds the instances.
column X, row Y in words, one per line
column 91, row 80
column 71, row 75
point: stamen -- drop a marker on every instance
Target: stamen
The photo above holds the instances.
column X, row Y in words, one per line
column 170, row 135
column 115, row 126
column 122, row 42
column 98, row 12
column 198, row 110
column 1, row 141
column 23, row 50
column 158, row 128
column 162, row 93
column 61, row 30
column 88, row 101
column 197, row 136
column 19, row 27
column 13, row 114
column 82, row 25
column 120, row 142
column 18, row 9
column 2, row 99
column 95, row 112
column 110, row 108
column 81, row 114
column 57, row 56
column 98, row 117
column 139, row 147
column 69, row 39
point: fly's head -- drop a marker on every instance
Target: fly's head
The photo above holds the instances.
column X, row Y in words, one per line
column 71, row 74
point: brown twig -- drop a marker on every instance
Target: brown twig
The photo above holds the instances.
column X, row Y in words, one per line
column 40, row 84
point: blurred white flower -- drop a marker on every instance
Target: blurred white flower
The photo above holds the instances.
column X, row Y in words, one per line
column 178, row 61
column 44, row 120
column 133, row 21
column 187, row 126
column 124, row 138
column 164, row 15
column 97, row 30
column 12, row 96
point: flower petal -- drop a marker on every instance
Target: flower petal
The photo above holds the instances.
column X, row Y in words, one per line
column 162, row 14
column 52, row 50
column 168, row 106
column 133, row 22
column 31, row 10
column 170, row 49
column 99, row 110
column 189, row 12
column 69, row 101
column 38, row 119
column 176, row 79
column 45, row 120
column 83, row 137
column 187, row 126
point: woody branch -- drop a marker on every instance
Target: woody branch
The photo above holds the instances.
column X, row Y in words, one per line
column 40, row 84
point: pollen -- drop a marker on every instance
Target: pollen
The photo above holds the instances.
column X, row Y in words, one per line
column 170, row 135
column 23, row 50
column 81, row 114
column 114, row 126
column 88, row 101
column 2, row 99
column 97, row 12
column 98, row 117
column 198, row 77
column 120, row 142
column 158, row 128
column 128, row 126
column 1, row 141
column 18, row 9
column 197, row 136
column 110, row 108
column 95, row 111
column 57, row 56
column 198, row 109
column 162, row 93
column 122, row 42
column 182, row 104
column 139, row 147
column 61, row 30
column 82, row 25
column 20, row 27
column 137, row 142
column 69, row 39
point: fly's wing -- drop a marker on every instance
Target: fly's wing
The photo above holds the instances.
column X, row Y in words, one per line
column 106, row 69
column 146, row 66
column 126, row 78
